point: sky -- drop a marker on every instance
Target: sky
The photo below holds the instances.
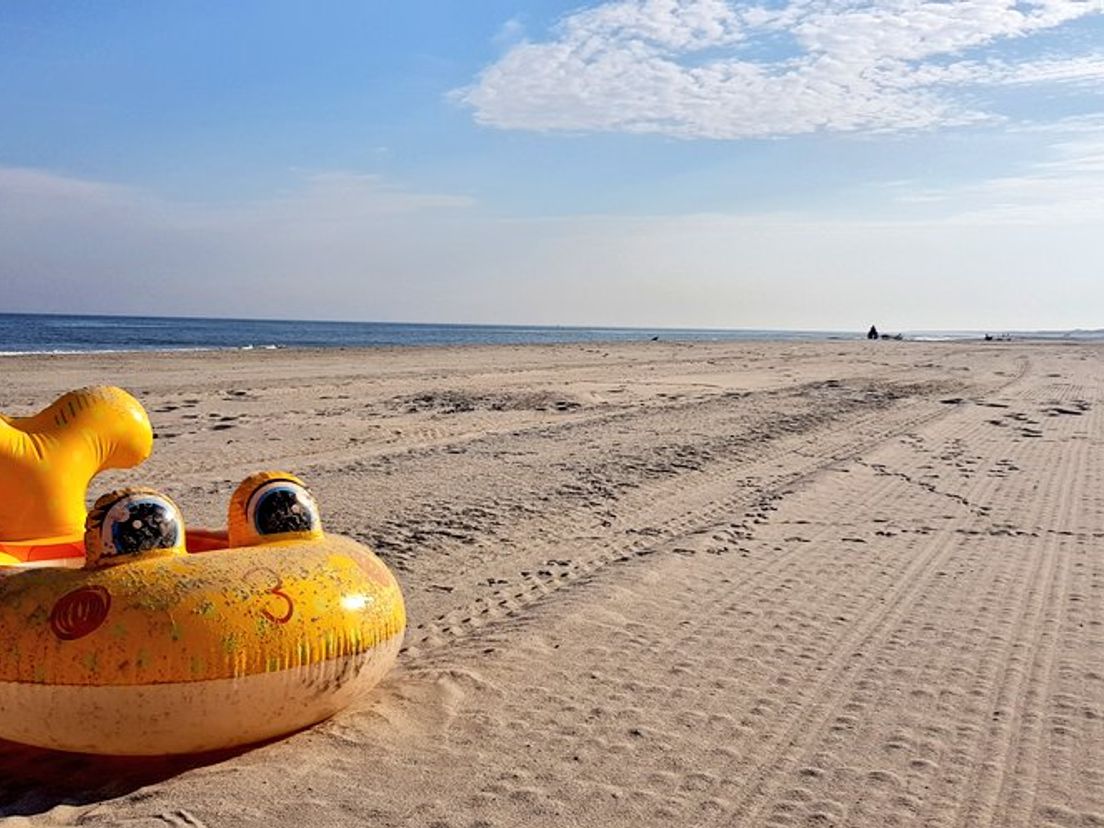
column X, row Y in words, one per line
column 805, row 164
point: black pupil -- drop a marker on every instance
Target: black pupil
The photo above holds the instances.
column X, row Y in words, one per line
column 148, row 525
column 283, row 510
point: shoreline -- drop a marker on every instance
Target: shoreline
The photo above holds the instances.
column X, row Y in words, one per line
column 30, row 334
column 856, row 338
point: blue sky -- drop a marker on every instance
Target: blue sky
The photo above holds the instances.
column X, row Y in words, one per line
column 793, row 163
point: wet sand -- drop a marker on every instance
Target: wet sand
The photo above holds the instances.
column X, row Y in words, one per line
column 656, row 584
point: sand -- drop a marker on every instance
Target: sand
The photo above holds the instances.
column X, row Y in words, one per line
column 780, row 584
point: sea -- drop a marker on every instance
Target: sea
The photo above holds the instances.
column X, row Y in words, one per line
column 59, row 334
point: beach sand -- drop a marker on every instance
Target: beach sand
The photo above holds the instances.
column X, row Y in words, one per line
column 753, row 584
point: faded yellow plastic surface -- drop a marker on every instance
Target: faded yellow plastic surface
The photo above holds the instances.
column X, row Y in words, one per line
column 195, row 618
column 153, row 719
column 47, row 461
column 176, row 653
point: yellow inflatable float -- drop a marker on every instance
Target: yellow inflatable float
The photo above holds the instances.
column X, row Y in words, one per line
column 166, row 640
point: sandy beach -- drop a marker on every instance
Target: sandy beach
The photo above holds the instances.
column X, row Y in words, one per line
column 761, row 584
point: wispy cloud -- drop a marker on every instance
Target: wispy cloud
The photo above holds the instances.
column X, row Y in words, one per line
column 75, row 243
column 510, row 32
column 353, row 246
column 1064, row 187
column 723, row 70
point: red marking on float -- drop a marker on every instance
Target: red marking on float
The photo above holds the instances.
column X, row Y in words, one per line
column 277, row 589
column 80, row 612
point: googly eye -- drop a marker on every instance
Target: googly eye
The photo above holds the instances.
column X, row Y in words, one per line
column 140, row 523
column 281, row 507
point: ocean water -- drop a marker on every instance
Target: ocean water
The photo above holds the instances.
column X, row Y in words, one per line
column 46, row 333
column 41, row 333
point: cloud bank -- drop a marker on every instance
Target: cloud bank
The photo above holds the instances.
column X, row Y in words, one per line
column 727, row 70
column 355, row 247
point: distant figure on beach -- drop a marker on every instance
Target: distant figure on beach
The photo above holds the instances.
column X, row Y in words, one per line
column 872, row 333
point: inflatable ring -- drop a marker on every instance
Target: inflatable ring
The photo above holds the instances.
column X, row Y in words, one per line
column 151, row 648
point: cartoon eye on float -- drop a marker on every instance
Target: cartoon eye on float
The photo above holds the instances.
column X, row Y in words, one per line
column 132, row 523
column 282, row 507
column 272, row 506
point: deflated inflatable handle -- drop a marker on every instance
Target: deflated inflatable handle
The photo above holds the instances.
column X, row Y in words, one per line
column 48, row 460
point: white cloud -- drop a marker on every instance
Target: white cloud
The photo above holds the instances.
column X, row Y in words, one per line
column 689, row 68
column 1087, row 70
column 666, row 24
